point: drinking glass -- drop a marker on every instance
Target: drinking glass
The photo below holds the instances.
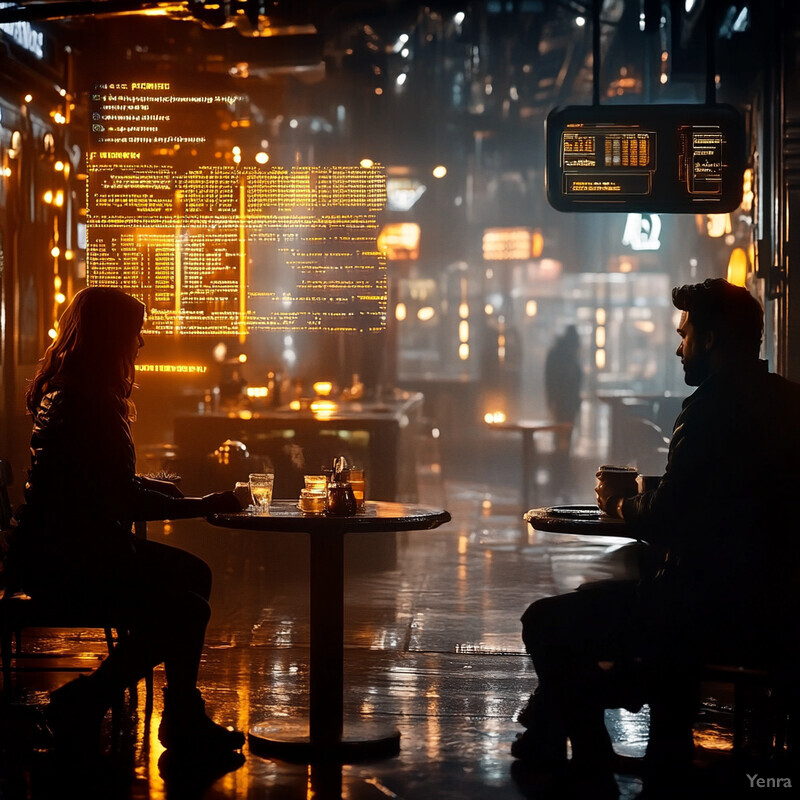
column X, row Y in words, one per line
column 359, row 485
column 319, row 482
column 261, row 484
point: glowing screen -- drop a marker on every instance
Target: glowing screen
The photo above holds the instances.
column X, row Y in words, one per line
column 212, row 245
column 671, row 158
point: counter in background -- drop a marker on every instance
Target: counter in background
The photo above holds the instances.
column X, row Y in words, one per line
column 377, row 436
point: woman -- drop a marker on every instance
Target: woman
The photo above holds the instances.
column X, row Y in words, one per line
column 74, row 541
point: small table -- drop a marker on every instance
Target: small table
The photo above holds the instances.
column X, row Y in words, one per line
column 576, row 519
column 529, row 428
column 326, row 737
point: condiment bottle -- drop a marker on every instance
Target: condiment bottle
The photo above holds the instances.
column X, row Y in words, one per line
column 341, row 501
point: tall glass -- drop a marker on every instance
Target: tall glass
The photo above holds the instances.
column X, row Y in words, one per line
column 359, row 485
column 261, row 484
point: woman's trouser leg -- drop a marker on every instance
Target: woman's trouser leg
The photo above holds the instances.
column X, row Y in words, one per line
column 167, row 613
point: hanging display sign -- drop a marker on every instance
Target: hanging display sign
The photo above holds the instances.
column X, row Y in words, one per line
column 663, row 158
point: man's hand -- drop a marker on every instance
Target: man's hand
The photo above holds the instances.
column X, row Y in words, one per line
column 220, row 503
column 608, row 503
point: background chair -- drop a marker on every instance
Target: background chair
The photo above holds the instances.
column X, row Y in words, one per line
column 19, row 610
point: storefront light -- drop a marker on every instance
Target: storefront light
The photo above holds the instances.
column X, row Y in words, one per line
column 48, row 197
column 58, row 166
column 61, row 298
column 55, row 251
column 737, row 267
column 426, row 313
column 58, row 200
column 600, row 337
column 439, row 171
column 400, row 312
column 600, row 359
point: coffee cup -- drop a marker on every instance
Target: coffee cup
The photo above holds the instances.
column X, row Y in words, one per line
column 618, row 481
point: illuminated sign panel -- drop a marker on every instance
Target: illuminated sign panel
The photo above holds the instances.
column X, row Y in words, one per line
column 670, row 158
column 507, row 244
column 214, row 247
column 23, row 34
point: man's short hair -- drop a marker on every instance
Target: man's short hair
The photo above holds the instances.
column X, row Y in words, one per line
column 734, row 316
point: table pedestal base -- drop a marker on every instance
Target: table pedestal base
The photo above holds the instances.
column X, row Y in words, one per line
column 289, row 741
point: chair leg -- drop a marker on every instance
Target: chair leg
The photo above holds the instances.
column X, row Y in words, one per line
column 5, row 647
column 148, row 696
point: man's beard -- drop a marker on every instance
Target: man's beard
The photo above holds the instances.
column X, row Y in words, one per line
column 698, row 369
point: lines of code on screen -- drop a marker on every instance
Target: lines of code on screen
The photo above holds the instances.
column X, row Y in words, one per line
column 224, row 249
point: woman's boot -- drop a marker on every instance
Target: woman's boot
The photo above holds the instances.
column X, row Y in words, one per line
column 185, row 727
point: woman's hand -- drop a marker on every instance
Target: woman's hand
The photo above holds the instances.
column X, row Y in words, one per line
column 220, row 503
column 168, row 488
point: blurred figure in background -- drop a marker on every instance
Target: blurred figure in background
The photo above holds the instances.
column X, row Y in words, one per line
column 563, row 378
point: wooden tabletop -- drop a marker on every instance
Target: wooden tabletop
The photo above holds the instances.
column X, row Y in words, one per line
column 576, row 519
column 375, row 517
column 534, row 425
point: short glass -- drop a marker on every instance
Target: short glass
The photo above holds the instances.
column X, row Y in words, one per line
column 261, row 484
column 318, row 482
column 312, row 501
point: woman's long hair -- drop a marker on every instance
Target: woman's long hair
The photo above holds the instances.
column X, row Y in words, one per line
column 93, row 347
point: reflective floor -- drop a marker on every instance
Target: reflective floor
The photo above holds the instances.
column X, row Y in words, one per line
column 432, row 648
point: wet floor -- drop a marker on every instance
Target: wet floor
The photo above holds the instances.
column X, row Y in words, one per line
column 432, row 648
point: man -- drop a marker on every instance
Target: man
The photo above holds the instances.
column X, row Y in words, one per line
column 717, row 519
column 563, row 377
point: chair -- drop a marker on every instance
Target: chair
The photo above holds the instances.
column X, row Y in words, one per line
column 760, row 698
column 19, row 610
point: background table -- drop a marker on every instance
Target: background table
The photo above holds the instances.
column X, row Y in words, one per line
column 376, row 436
column 326, row 737
column 529, row 428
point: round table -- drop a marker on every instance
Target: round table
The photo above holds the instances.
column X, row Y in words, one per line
column 576, row 519
column 326, row 736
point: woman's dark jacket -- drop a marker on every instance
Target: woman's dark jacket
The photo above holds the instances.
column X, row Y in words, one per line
column 82, row 493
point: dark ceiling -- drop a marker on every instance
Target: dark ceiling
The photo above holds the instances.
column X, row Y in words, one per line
column 485, row 68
